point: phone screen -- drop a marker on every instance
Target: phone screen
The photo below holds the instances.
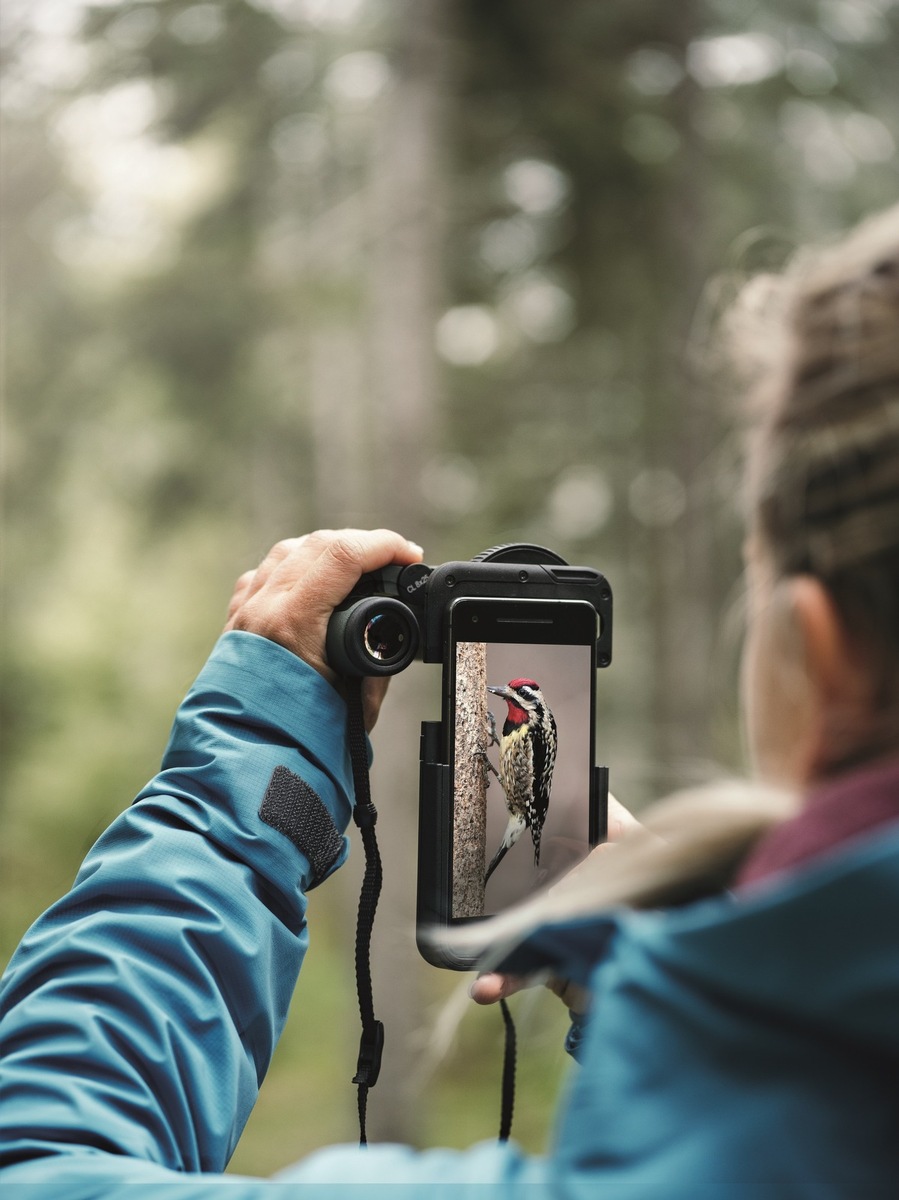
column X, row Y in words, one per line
column 540, row 656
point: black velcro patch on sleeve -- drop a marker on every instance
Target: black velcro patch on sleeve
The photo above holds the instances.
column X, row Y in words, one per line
column 295, row 809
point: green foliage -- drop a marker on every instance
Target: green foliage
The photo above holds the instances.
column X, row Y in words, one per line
column 203, row 251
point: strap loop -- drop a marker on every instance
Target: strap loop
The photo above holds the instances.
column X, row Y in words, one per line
column 371, row 1046
column 365, row 815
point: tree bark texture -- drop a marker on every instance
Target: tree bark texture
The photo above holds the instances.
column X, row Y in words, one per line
column 470, row 780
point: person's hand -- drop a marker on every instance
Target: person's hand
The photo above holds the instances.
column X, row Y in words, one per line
column 290, row 596
column 492, row 986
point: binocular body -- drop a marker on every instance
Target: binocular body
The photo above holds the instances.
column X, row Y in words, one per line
column 398, row 614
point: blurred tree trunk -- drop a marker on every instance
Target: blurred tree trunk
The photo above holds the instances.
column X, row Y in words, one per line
column 374, row 405
column 683, row 610
column 407, row 198
column 697, row 617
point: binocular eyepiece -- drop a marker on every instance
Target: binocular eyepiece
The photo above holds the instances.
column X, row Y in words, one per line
column 377, row 635
column 374, row 632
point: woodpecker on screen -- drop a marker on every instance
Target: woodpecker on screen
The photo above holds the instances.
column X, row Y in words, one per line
column 527, row 754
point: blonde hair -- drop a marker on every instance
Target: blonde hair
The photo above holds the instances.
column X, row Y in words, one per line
column 686, row 846
column 822, row 341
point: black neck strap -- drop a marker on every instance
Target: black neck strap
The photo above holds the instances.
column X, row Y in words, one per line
column 365, row 815
column 508, row 1087
column 371, row 1043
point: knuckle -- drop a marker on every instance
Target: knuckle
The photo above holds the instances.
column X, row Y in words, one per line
column 282, row 548
column 318, row 541
column 279, row 551
column 347, row 550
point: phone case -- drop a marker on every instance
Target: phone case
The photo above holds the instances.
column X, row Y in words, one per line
column 441, row 810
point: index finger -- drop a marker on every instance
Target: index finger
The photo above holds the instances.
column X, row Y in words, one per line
column 349, row 553
column 492, row 986
column 335, row 561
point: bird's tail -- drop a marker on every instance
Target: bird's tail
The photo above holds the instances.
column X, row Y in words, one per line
column 496, row 860
column 514, row 830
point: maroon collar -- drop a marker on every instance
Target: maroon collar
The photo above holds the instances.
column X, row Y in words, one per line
column 835, row 812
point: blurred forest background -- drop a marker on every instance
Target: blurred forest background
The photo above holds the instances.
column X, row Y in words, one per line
column 453, row 266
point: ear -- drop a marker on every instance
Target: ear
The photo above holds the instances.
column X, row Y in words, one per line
column 821, row 631
column 838, row 695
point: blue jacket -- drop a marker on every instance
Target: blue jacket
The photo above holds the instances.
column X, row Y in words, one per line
column 739, row 1048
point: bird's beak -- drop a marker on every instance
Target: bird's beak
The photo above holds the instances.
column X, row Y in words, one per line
column 501, row 691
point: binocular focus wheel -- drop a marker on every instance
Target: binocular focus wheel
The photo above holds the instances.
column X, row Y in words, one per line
column 521, row 552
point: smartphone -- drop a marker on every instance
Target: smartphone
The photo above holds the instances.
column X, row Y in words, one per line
column 493, row 643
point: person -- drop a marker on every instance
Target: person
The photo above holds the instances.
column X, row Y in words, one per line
column 741, row 968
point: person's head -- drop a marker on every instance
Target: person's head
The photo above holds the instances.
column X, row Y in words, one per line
column 821, row 666
column 821, row 679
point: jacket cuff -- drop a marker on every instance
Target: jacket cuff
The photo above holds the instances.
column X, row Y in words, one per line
column 258, row 757
column 577, row 1032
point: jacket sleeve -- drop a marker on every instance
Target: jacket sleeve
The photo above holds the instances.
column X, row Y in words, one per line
column 139, row 1014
